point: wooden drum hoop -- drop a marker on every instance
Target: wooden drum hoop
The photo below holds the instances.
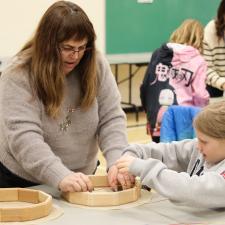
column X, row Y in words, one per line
column 103, row 198
column 41, row 207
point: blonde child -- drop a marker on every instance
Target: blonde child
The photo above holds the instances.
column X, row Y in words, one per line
column 188, row 75
column 179, row 67
column 190, row 172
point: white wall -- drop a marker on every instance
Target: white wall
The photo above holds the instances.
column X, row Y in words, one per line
column 19, row 19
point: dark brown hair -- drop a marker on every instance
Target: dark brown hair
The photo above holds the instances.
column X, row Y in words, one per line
column 220, row 20
column 62, row 21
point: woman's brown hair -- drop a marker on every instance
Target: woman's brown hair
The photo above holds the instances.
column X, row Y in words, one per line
column 190, row 32
column 62, row 21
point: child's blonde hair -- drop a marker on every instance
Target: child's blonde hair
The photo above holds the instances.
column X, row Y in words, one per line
column 190, row 32
column 211, row 120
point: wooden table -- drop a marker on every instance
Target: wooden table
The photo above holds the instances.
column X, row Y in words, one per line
column 159, row 211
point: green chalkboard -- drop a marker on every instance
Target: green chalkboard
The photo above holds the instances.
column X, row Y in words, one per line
column 133, row 27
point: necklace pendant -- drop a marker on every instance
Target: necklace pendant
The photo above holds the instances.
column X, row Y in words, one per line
column 67, row 121
column 71, row 110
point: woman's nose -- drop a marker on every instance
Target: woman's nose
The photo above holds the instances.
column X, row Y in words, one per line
column 75, row 54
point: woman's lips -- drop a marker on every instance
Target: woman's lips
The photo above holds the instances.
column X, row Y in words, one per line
column 70, row 64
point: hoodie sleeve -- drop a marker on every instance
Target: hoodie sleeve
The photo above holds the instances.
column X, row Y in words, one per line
column 147, row 79
column 214, row 79
column 204, row 191
column 175, row 155
column 200, row 94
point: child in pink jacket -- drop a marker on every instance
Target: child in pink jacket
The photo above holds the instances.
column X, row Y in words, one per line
column 176, row 75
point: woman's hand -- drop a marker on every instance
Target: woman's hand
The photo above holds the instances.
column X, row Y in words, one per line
column 124, row 163
column 76, row 182
column 116, row 179
column 112, row 177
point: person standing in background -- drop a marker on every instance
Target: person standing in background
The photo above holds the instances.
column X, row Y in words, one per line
column 214, row 52
column 59, row 103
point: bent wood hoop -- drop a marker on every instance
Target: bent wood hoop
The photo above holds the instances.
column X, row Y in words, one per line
column 42, row 204
column 103, row 198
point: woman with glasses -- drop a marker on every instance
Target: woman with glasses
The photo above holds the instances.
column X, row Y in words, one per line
column 59, row 104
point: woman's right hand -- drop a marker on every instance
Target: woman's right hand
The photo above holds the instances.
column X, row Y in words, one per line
column 76, row 182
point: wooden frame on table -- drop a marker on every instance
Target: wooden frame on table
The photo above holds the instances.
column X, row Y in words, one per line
column 103, row 198
column 41, row 207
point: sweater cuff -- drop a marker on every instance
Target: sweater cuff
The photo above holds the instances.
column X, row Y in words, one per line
column 137, row 166
column 131, row 153
column 54, row 175
column 112, row 156
column 142, row 167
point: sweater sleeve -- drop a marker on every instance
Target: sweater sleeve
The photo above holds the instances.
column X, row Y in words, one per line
column 112, row 120
column 200, row 94
column 213, row 52
column 175, row 155
column 213, row 77
column 22, row 126
column 204, row 191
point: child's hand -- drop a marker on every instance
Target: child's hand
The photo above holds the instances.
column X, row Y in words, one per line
column 116, row 179
column 126, row 180
column 124, row 163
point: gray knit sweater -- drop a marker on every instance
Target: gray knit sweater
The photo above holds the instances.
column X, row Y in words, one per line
column 33, row 146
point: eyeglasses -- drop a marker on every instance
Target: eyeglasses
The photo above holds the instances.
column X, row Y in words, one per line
column 69, row 50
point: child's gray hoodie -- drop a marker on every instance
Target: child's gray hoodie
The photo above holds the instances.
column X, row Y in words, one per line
column 179, row 172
